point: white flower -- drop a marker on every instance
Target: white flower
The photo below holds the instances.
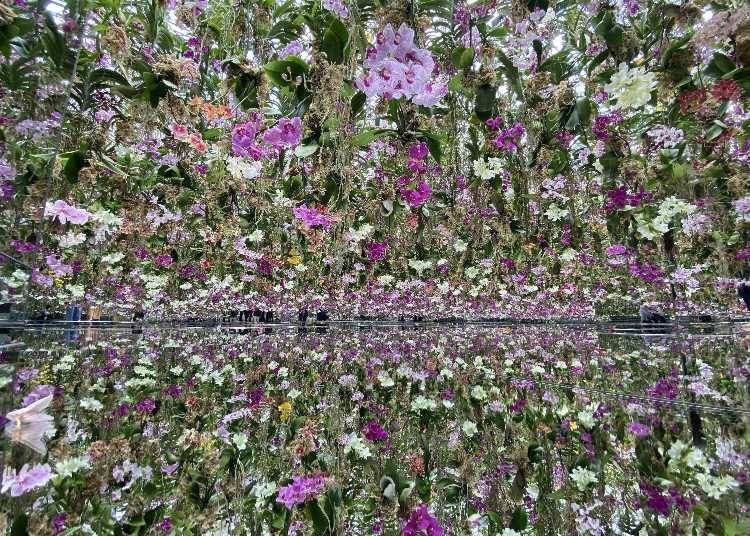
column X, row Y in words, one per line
column 385, row 379
column 460, row 246
column 478, row 393
column 651, row 229
column 240, row 441
column 419, row 266
column 71, row 239
column 113, row 258
column 263, row 490
column 469, row 428
column 91, row 404
column 582, row 477
column 385, row 279
column 631, row 87
column 555, row 213
column 359, row 234
column 422, row 403
column 240, row 168
column 255, row 236
column 510, row 532
column 716, row 486
column 676, row 449
column 357, row 445
column 666, row 136
column 586, row 416
column 482, row 170
column 71, row 466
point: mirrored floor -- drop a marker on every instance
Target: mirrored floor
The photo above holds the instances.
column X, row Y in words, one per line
column 376, row 428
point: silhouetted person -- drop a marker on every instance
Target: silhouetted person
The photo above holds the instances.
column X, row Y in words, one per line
column 743, row 291
column 649, row 316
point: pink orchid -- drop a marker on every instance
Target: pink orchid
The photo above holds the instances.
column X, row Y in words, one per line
column 66, row 213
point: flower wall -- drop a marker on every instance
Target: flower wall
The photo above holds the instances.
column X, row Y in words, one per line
column 374, row 158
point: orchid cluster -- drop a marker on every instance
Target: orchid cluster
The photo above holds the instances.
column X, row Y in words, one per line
column 396, row 67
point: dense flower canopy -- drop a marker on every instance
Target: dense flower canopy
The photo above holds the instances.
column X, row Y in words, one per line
column 454, row 159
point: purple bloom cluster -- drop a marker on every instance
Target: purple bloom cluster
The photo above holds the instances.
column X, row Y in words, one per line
column 602, row 124
column 416, row 196
column 663, row 503
column 312, row 217
column 421, row 522
column 375, row 251
column 508, row 139
column 397, row 68
column 618, row 198
column 338, row 7
column 374, row 432
column 286, row 133
column 648, row 273
column 291, row 49
column 243, row 138
column 301, row 490
column 27, row 479
column 664, row 388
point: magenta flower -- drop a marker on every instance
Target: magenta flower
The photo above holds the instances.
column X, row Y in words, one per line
column 287, row 133
column 374, row 432
column 375, row 251
column 301, row 490
column 312, row 217
column 418, row 151
column 418, row 196
column 508, row 139
column 147, row 405
column 421, row 522
column 66, row 213
column 243, row 138
column 26, row 479
column 397, row 68
column 616, row 249
column 163, row 260
column 638, row 429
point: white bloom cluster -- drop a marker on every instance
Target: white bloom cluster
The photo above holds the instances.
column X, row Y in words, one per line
column 582, row 477
column 422, row 403
column 357, row 445
column 631, row 87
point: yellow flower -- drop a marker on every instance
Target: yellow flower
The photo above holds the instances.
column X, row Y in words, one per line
column 638, row 61
column 285, row 409
column 294, row 260
column 573, row 425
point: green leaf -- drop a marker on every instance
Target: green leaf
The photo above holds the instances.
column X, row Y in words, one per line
column 358, row 103
column 303, row 151
column 520, row 519
column 719, row 65
column 20, row 526
column 463, row 57
column 484, row 105
column 335, row 40
column 212, row 134
column 364, row 138
column 434, row 146
column 321, row 523
column 714, row 132
column 284, row 72
column 72, row 163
